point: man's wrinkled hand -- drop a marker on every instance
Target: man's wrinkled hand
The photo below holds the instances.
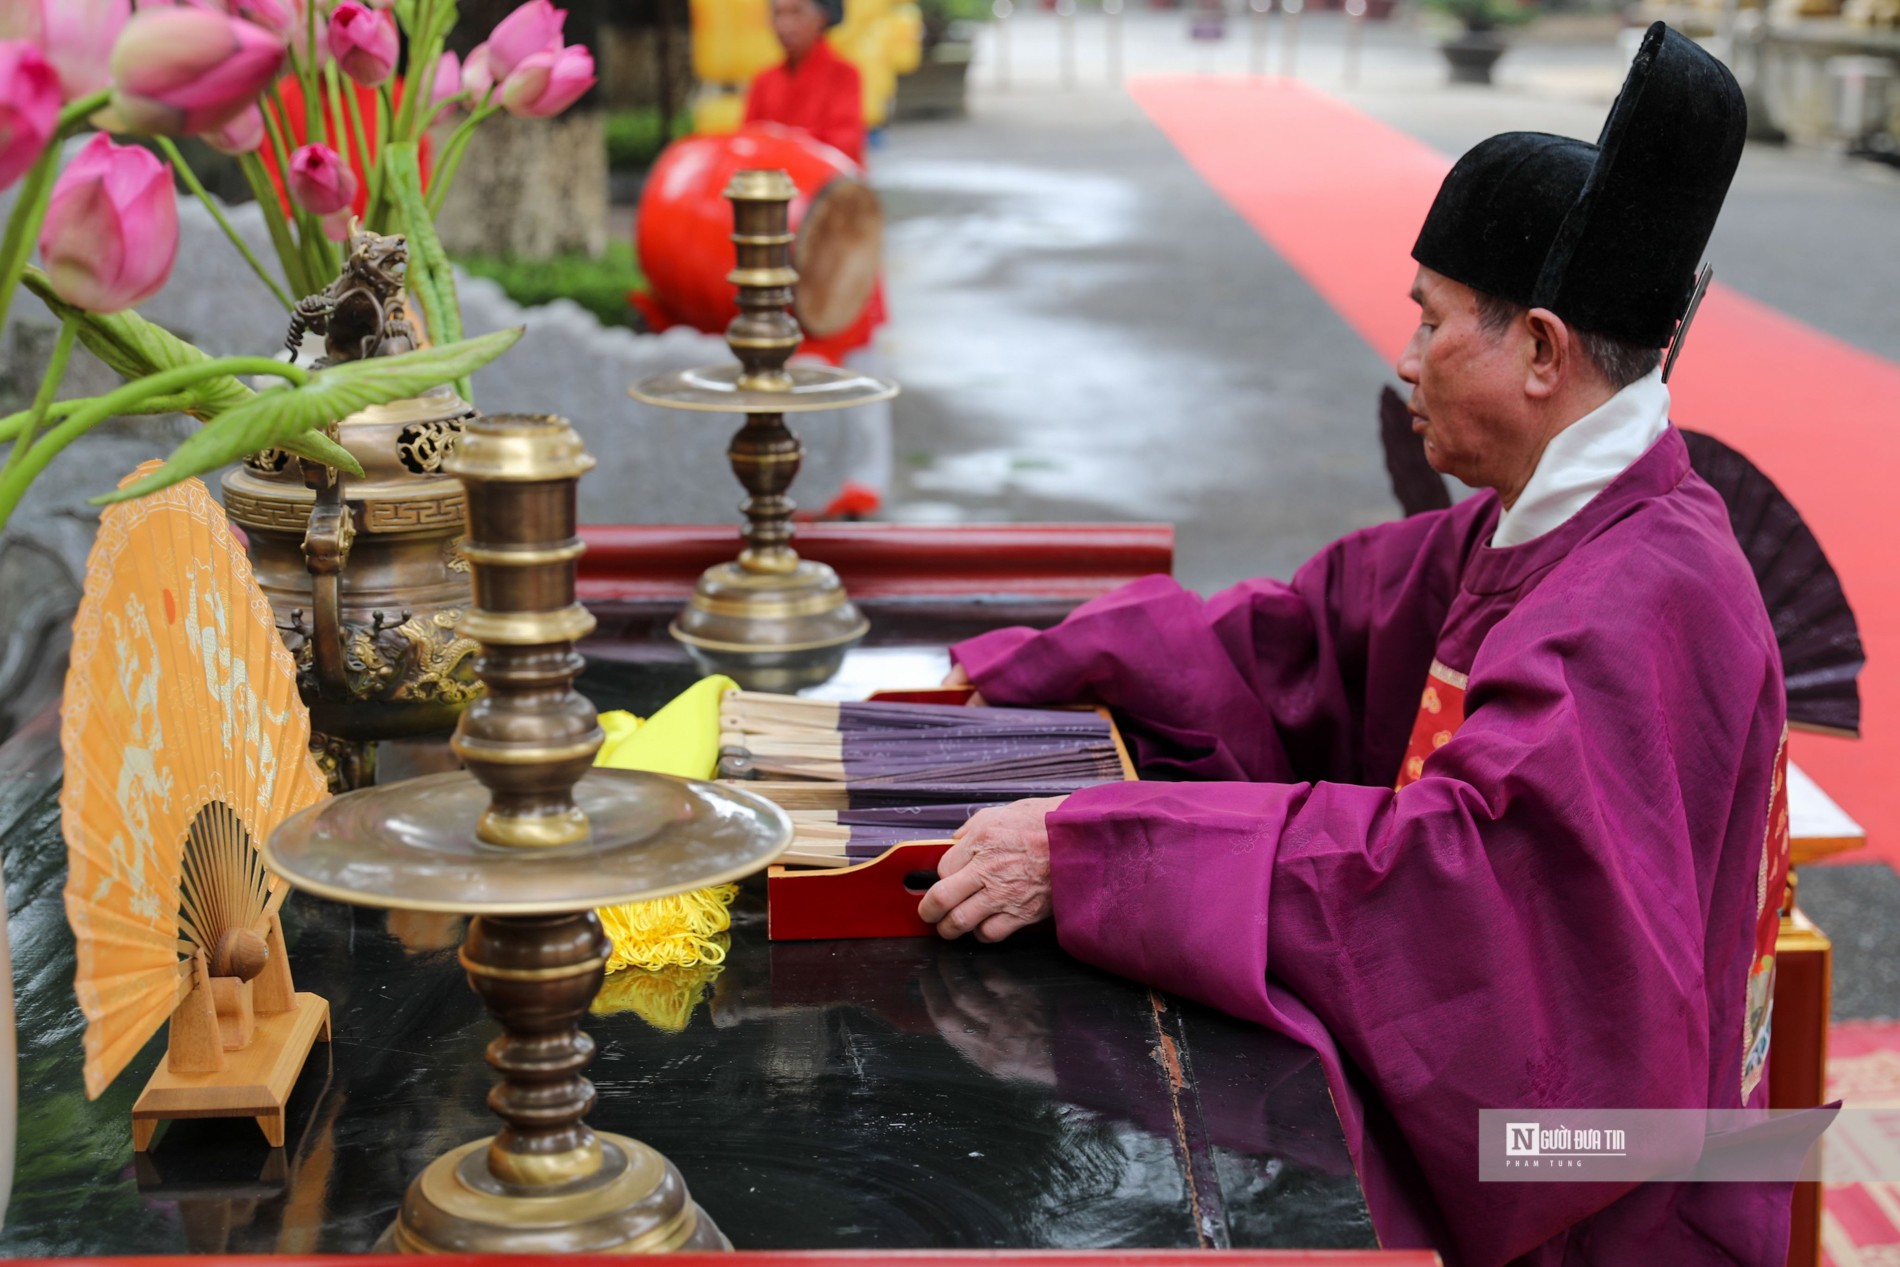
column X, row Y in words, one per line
column 995, row 879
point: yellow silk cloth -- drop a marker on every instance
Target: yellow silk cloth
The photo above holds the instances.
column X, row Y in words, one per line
column 682, row 740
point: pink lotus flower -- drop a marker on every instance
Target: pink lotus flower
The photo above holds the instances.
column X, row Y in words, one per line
column 544, row 84
column 448, row 80
column 29, row 107
column 477, row 78
column 285, row 19
column 242, row 135
column 183, row 71
column 533, row 28
column 111, row 229
column 320, row 180
column 75, row 35
column 365, row 43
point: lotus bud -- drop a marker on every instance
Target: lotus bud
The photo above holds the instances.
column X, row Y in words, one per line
column 365, row 43
column 179, row 72
column 111, row 231
column 544, row 84
column 29, row 107
column 477, row 78
column 448, row 80
column 533, row 28
column 76, row 37
column 320, row 181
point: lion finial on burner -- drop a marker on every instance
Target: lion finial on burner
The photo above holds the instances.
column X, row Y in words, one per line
column 361, row 313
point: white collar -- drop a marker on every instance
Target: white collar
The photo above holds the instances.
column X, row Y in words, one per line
column 1581, row 460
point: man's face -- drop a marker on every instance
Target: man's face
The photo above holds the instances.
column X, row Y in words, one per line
column 799, row 25
column 1467, row 387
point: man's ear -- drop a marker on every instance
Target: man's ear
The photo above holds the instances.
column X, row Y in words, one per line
column 1552, row 355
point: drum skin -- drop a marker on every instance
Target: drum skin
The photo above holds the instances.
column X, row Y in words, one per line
column 683, row 230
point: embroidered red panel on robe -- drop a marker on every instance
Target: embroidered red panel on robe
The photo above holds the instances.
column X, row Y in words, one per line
column 1770, row 882
column 1441, row 710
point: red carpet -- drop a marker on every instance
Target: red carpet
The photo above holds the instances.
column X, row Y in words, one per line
column 1860, row 1222
column 1340, row 196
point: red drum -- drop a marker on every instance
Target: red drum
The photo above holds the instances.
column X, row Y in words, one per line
column 683, row 234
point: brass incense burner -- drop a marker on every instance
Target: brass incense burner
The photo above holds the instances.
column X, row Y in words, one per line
column 769, row 619
column 366, row 574
column 529, row 840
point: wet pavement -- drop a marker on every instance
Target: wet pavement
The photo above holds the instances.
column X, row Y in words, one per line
column 1085, row 330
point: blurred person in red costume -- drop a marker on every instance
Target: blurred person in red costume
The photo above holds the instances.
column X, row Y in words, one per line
column 813, row 89
column 819, row 92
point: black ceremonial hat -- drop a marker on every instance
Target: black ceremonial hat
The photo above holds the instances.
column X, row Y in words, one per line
column 1607, row 236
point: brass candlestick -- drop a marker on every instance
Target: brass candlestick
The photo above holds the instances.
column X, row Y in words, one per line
column 529, row 840
column 770, row 619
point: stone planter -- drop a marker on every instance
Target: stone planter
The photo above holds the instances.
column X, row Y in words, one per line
column 935, row 89
column 1472, row 55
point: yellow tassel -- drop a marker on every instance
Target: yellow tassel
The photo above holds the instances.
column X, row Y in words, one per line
column 681, row 739
column 682, row 930
column 664, row 998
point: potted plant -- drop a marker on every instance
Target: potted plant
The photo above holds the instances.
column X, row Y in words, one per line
column 1479, row 42
column 937, row 86
column 310, row 96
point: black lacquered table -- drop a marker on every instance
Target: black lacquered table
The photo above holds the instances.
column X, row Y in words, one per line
column 868, row 1094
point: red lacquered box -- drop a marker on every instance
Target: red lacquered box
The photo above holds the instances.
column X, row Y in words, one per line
column 877, row 898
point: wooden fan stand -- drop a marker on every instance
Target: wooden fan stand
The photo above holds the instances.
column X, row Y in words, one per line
column 236, row 1047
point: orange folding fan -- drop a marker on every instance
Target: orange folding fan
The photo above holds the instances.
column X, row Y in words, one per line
column 185, row 744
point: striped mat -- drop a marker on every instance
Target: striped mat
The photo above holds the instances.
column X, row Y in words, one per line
column 1860, row 1222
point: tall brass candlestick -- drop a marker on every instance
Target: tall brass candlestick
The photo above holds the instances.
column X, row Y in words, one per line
column 770, row 619
column 532, row 736
column 766, row 454
column 529, row 840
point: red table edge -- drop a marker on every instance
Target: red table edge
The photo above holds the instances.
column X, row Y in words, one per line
column 826, row 1258
column 633, row 562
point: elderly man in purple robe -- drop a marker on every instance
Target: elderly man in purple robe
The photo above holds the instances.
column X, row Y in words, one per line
column 1485, row 805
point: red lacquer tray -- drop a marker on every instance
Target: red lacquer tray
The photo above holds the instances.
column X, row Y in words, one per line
column 877, row 898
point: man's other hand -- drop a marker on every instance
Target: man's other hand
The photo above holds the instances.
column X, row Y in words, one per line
column 995, row 878
column 957, row 677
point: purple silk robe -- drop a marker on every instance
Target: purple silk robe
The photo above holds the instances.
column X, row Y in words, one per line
column 1561, row 912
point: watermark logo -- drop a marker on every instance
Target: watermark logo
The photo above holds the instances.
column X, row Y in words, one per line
column 1536, row 1144
column 1701, row 1145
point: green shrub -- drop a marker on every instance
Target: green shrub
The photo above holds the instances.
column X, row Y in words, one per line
column 940, row 15
column 598, row 285
column 1484, row 15
column 635, row 138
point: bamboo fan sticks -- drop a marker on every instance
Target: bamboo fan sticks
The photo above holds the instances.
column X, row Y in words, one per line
column 225, row 896
column 858, row 778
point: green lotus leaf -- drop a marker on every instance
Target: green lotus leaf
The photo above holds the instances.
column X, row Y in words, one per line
column 133, row 347
column 281, row 417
